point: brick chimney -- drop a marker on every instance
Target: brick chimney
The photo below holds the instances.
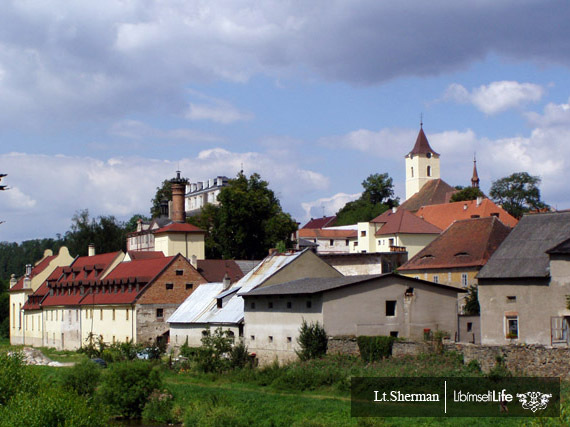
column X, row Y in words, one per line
column 178, row 185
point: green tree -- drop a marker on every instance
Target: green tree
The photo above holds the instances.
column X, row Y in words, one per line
column 377, row 197
column 313, row 341
column 164, row 192
column 247, row 222
column 466, row 193
column 131, row 224
column 517, row 193
column 105, row 232
column 472, row 301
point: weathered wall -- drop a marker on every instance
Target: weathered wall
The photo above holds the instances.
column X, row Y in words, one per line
column 469, row 329
column 343, row 345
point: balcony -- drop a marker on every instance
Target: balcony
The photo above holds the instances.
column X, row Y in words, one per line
column 397, row 249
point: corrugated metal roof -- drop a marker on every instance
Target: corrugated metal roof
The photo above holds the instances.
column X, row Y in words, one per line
column 200, row 300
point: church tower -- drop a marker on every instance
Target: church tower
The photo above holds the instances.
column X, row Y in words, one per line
column 475, row 177
column 422, row 165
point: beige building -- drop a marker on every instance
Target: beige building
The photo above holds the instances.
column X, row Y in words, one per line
column 387, row 304
column 523, row 288
column 202, row 193
column 25, row 329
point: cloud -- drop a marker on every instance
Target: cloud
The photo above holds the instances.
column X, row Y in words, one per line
column 327, row 206
column 376, row 143
column 134, row 129
column 64, row 63
column 555, row 115
column 46, row 190
column 497, row 96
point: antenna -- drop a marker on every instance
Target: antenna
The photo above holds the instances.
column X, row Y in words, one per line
column 421, row 120
column 323, row 208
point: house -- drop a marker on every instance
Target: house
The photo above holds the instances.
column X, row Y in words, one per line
column 443, row 215
column 330, row 239
column 524, row 287
column 358, row 263
column 388, row 304
column 317, row 223
column 395, row 230
column 25, row 286
column 456, row 255
column 63, row 317
column 225, row 307
column 201, row 193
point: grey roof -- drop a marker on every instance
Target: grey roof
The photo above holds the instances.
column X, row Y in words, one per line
column 323, row 284
column 523, row 253
column 202, row 299
column 560, row 249
column 246, row 265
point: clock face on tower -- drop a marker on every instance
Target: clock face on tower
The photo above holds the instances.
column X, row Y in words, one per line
column 428, row 155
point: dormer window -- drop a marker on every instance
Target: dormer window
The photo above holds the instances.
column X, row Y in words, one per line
column 461, row 254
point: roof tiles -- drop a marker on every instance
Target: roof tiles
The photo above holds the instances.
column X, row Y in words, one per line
column 403, row 222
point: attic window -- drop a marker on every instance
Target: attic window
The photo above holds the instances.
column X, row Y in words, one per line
column 169, row 286
column 495, row 214
column 189, row 286
column 475, row 216
column 409, row 292
column 427, row 256
column 461, row 254
column 219, row 302
column 179, row 272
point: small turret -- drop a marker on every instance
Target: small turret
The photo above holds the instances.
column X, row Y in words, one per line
column 475, row 177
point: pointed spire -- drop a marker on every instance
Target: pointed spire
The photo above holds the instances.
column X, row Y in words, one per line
column 422, row 145
column 475, row 177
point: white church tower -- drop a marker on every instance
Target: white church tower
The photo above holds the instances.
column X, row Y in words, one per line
column 422, row 165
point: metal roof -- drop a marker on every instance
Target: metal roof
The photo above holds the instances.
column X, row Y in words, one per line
column 197, row 303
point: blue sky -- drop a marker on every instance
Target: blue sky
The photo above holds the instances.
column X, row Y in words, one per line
column 101, row 102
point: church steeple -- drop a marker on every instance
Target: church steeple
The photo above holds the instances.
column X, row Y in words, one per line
column 422, row 164
column 475, row 177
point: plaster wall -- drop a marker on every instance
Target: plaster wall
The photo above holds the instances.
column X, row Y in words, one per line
column 417, row 178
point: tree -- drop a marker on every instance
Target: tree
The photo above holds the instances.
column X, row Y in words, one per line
column 377, row 197
column 472, row 301
column 467, row 193
column 164, row 192
column 247, row 222
column 313, row 341
column 517, row 193
column 131, row 224
column 105, row 232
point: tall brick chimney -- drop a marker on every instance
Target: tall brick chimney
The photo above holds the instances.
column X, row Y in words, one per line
column 178, row 213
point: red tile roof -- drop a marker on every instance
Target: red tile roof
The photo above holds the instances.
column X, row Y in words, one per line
column 143, row 270
column 37, row 269
column 422, row 145
column 145, row 254
column 326, row 221
column 33, row 302
column 326, row 233
column 433, row 192
column 214, row 270
column 403, row 222
column 466, row 243
column 443, row 215
column 178, row 227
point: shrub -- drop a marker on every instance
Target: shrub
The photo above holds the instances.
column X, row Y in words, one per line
column 127, row 385
column 312, row 340
column 82, row 378
column 239, row 356
column 15, row 377
column 375, row 348
column 159, row 408
column 213, row 356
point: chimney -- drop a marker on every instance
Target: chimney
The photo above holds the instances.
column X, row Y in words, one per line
column 13, row 280
column 394, row 209
column 178, row 185
column 479, row 201
column 194, row 261
column 27, row 278
column 91, row 249
column 226, row 281
column 28, row 270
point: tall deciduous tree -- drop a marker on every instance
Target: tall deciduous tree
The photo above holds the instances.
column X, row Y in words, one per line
column 467, row 193
column 105, row 232
column 247, row 222
column 164, row 192
column 377, row 197
column 517, row 193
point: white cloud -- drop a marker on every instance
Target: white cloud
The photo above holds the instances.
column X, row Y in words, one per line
column 327, row 206
column 555, row 115
column 497, row 96
column 134, row 129
column 48, row 190
column 220, row 113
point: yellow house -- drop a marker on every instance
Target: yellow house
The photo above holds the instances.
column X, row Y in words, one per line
column 22, row 326
column 396, row 230
column 180, row 238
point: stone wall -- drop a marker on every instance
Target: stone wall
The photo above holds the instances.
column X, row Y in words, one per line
column 409, row 348
column 534, row 360
column 343, row 345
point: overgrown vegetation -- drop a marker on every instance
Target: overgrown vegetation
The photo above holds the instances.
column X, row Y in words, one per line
column 313, row 341
column 373, row 349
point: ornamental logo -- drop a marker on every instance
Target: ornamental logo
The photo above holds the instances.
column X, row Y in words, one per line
column 534, row 400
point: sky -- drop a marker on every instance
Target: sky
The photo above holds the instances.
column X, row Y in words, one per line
column 101, row 101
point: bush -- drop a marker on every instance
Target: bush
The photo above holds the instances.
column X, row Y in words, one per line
column 82, row 378
column 159, row 408
column 239, row 356
column 15, row 377
column 312, row 340
column 373, row 349
column 127, row 385
column 213, row 356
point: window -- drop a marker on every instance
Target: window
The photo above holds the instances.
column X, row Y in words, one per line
column 512, row 327
column 363, row 233
column 511, row 298
column 309, row 304
column 270, row 338
column 390, row 308
column 159, row 313
column 469, row 326
column 464, row 281
column 289, row 304
column 429, row 171
column 391, row 241
column 252, row 306
column 169, row 286
column 289, row 339
column 346, row 242
column 179, row 272
column 189, row 286
column 435, row 278
column 270, row 304
column 394, row 334
column 127, row 314
column 113, row 314
column 101, row 314
column 355, row 244
column 331, row 242
column 252, row 337
column 412, row 170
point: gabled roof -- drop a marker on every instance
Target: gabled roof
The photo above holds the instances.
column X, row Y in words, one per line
column 327, row 233
column 325, row 221
column 37, row 269
column 422, row 145
column 443, row 215
column 560, row 249
column 34, row 300
column 403, row 222
column 87, row 268
column 197, row 304
column 142, row 270
column 433, row 192
column 214, row 270
column 177, row 227
column 523, row 253
column 145, row 254
column 466, row 243
column 316, row 285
